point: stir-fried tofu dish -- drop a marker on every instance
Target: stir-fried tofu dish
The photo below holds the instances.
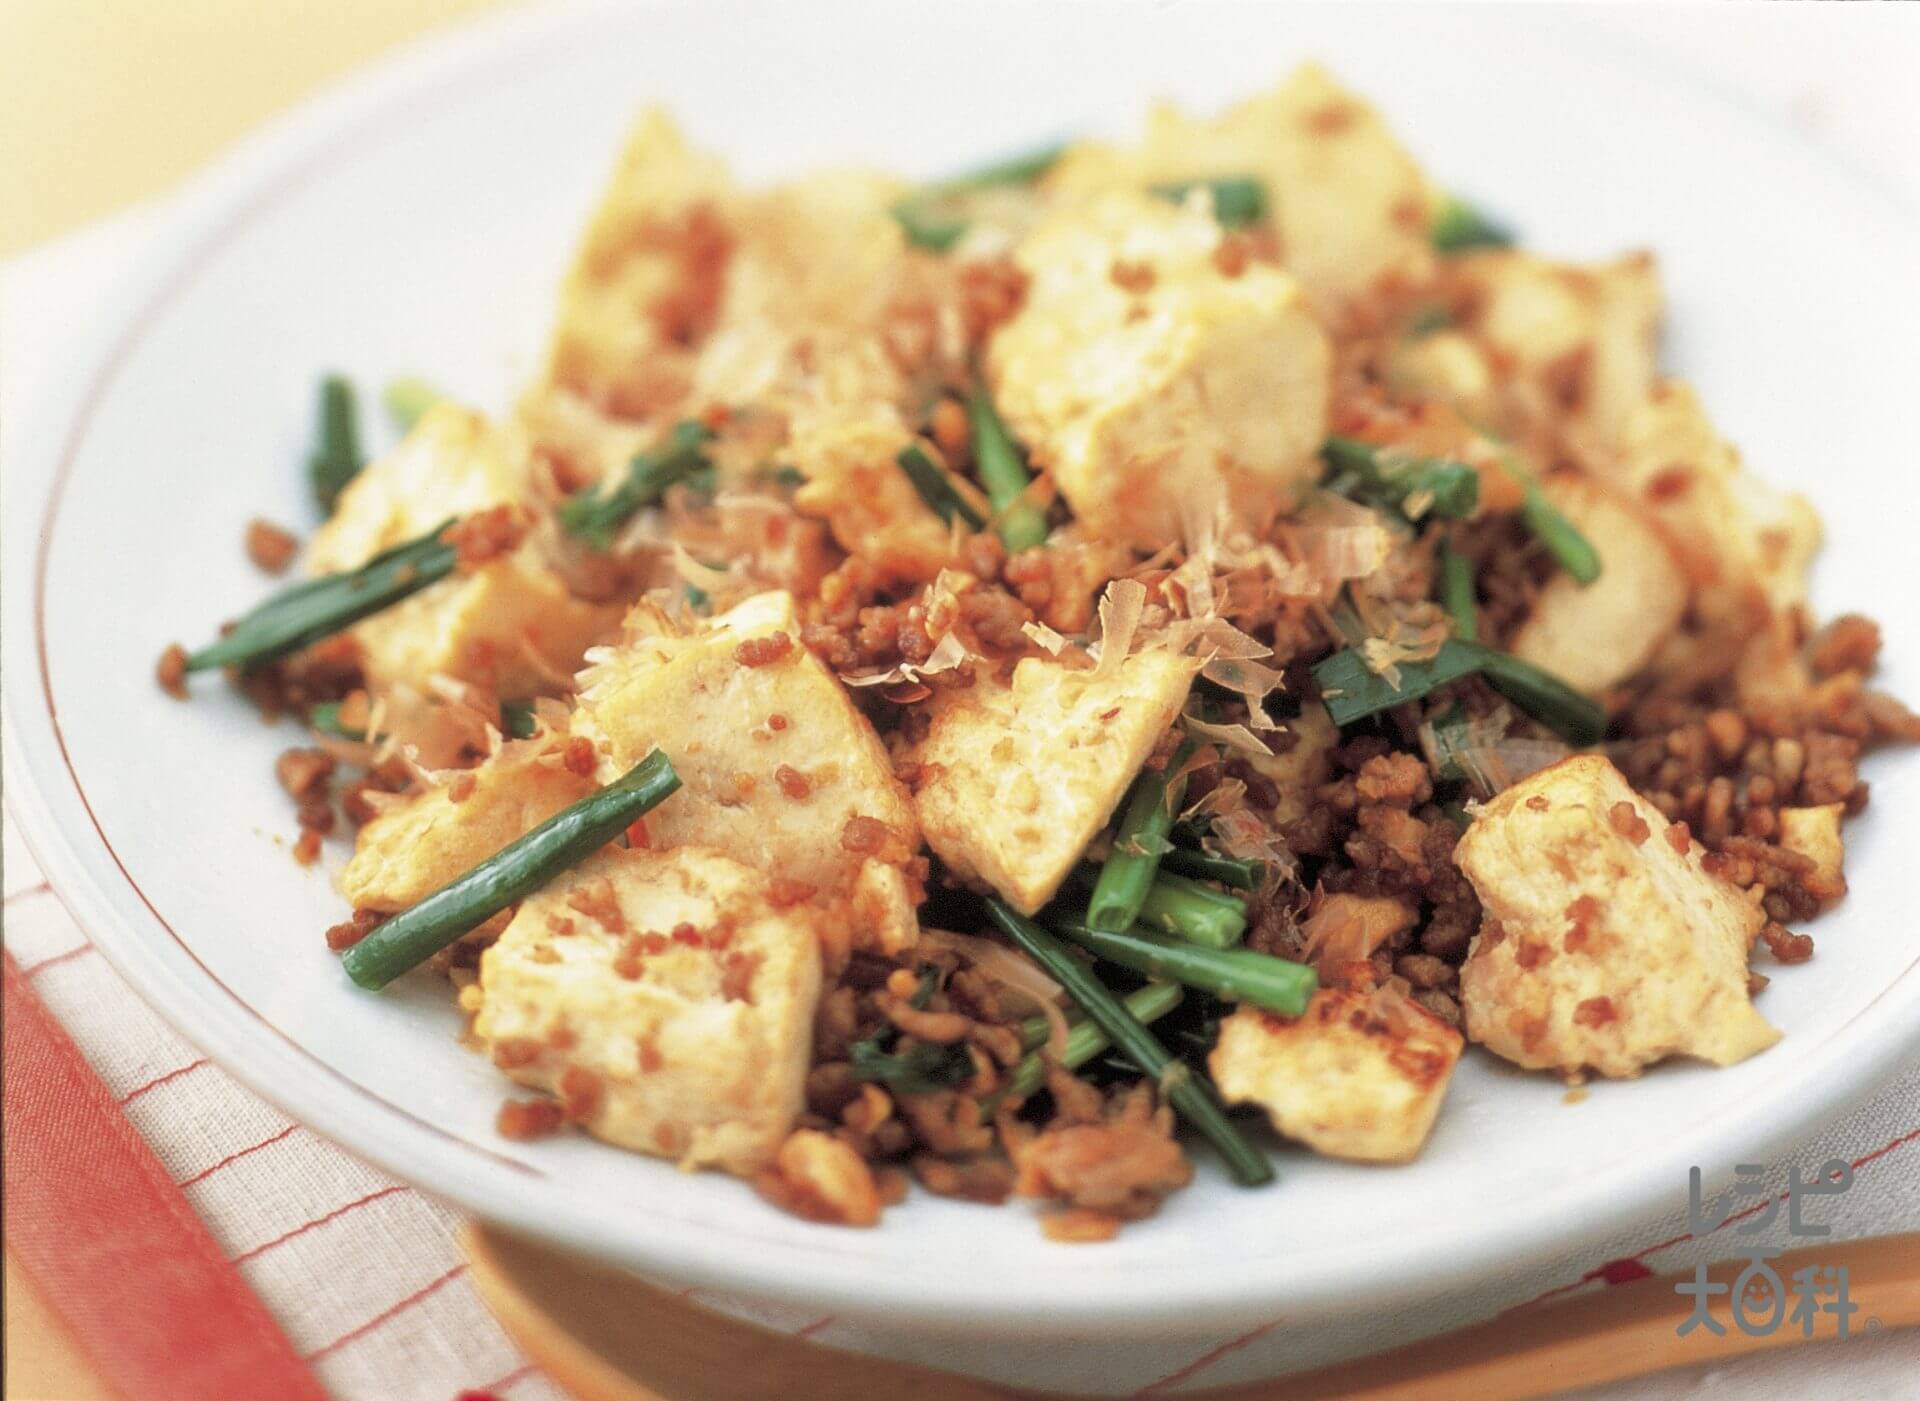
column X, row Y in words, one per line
column 974, row 683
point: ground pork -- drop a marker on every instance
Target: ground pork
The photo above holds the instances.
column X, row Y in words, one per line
column 1727, row 772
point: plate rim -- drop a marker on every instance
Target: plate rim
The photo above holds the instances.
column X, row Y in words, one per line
column 217, row 203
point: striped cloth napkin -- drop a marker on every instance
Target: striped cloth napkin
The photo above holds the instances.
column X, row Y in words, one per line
column 359, row 1273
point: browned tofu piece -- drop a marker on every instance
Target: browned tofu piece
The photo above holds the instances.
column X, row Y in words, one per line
column 1596, row 635
column 778, row 768
column 404, row 855
column 665, row 999
column 1019, row 775
column 1342, row 1078
column 1605, row 944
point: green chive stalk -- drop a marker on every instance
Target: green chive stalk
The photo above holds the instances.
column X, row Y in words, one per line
column 1456, row 592
column 1414, row 486
column 304, row 613
column 511, row 874
column 518, row 720
column 1574, row 717
column 1563, row 540
column 1138, row 845
column 596, row 515
column 336, row 458
column 1003, row 471
column 936, row 488
column 1237, row 199
column 1191, row 1095
column 1351, row 690
column 1085, row 1040
column 923, row 1068
column 1457, row 226
column 325, row 717
column 1190, row 910
column 1240, row 975
column 1233, row 871
column 1181, row 906
column 934, row 215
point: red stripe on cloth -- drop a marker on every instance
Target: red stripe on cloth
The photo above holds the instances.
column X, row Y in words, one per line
column 236, row 1156
column 1631, row 1268
column 1206, row 1360
column 317, row 1221
column 33, row 970
column 111, row 1243
column 1911, row 1136
column 390, row 1312
column 1623, row 1271
column 517, row 1375
column 157, row 1081
column 41, row 889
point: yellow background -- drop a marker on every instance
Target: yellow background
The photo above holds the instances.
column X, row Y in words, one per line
column 105, row 102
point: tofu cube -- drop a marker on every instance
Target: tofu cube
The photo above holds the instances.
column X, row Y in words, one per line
column 1604, row 943
column 1596, row 635
column 778, row 769
column 647, row 277
column 1582, row 341
column 1150, row 382
column 1349, row 202
column 666, row 1001
column 817, row 281
column 1449, row 366
column 829, row 321
column 453, row 463
column 405, row 854
column 1734, row 531
column 1018, row 776
column 1349, row 1078
column 804, row 301
column 854, row 482
column 509, row 625
column 1746, row 547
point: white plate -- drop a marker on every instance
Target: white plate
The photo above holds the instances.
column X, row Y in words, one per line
column 416, row 221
